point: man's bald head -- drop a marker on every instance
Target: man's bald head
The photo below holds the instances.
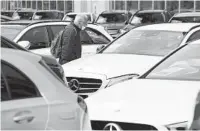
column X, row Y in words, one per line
column 81, row 20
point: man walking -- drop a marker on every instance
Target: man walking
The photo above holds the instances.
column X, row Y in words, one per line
column 71, row 43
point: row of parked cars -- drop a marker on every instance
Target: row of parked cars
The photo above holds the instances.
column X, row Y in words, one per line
column 147, row 78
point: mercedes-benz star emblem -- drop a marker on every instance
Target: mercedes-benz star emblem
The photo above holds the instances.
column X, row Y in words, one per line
column 112, row 127
column 74, row 85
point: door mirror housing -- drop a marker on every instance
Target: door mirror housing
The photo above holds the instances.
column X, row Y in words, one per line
column 100, row 48
column 25, row 44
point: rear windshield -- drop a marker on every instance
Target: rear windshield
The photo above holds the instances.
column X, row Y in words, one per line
column 48, row 15
column 71, row 17
column 25, row 15
column 193, row 19
column 9, row 14
column 112, row 18
column 145, row 18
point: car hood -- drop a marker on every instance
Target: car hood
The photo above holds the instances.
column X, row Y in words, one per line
column 112, row 65
column 151, row 102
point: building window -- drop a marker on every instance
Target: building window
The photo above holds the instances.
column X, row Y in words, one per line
column 45, row 5
column 39, row 3
column 34, row 4
column 68, row 6
column 172, row 6
column 28, row 4
column 60, row 5
column 53, row 5
column 145, row 5
column 23, row 4
column 19, row 4
column 159, row 5
column 132, row 5
column 187, row 6
column 119, row 5
column 197, row 5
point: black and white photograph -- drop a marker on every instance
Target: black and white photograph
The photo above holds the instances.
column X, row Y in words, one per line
column 87, row 65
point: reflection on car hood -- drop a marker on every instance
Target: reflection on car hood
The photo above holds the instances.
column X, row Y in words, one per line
column 112, row 65
column 151, row 102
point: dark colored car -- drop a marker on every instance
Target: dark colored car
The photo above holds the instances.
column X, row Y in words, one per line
column 50, row 61
column 113, row 21
column 189, row 17
column 48, row 15
column 147, row 17
column 8, row 13
column 25, row 14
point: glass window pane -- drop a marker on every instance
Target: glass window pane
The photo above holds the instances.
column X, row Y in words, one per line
column 39, row 5
column 45, row 5
column 53, row 5
column 132, row 5
column 172, row 6
column 145, row 5
column 33, row 4
column 19, row 4
column 159, row 5
column 120, row 5
column 68, row 6
column 28, row 4
column 198, row 5
column 23, row 4
column 61, row 5
column 187, row 6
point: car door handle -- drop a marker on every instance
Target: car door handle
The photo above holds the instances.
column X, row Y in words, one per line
column 23, row 117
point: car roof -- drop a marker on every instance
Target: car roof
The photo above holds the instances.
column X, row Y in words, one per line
column 114, row 12
column 49, row 11
column 19, row 27
column 188, row 14
column 74, row 13
column 151, row 11
column 179, row 27
column 10, row 55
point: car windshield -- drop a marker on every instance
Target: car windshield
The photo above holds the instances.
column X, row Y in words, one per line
column 47, row 15
column 9, row 14
column 192, row 19
column 71, row 17
column 145, row 18
column 10, row 32
column 25, row 15
column 112, row 18
column 146, row 42
column 183, row 65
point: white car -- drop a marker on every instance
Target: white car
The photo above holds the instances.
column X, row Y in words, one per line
column 189, row 17
column 128, row 56
column 71, row 16
column 34, row 98
column 161, row 99
column 40, row 35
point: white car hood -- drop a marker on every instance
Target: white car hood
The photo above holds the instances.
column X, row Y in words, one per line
column 151, row 102
column 112, row 65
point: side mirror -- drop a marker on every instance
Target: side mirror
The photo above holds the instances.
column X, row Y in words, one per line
column 100, row 48
column 25, row 44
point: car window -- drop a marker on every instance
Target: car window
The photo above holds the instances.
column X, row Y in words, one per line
column 85, row 38
column 25, row 15
column 112, row 18
column 48, row 15
column 189, row 19
column 194, row 36
column 96, row 36
column 4, row 91
column 38, row 37
column 20, row 86
column 56, row 29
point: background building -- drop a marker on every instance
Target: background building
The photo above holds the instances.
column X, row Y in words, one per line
column 97, row 6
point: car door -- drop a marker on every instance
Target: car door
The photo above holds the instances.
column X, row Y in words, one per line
column 22, row 106
column 94, row 41
column 38, row 37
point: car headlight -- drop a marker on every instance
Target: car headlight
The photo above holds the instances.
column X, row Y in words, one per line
column 178, row 126
column 119, row 79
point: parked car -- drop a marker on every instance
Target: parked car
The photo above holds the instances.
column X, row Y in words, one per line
column 50, row 61
column 144, row 17
column 192, row 17
column 41, row 34
column 129, row 56
column 48, row 15
column 34, row 98
column 113, row 21
column 195, row 122
column 5, row 18
column 71, row 16
column 161, row 99
column 26, row 14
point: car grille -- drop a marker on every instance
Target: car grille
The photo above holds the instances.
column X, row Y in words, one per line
column 99, row 125
column 87, row 85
